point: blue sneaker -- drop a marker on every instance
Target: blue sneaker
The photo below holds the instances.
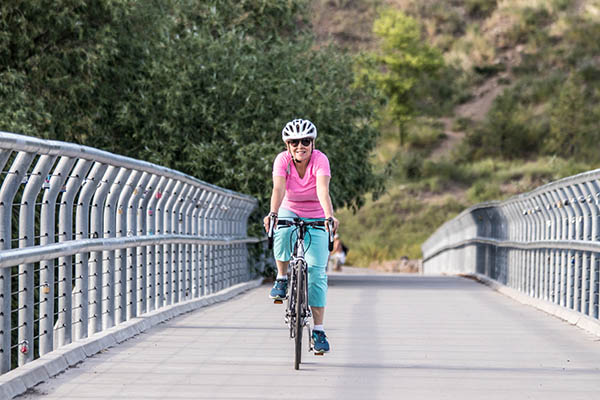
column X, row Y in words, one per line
column 321, row 345
column 279, row 291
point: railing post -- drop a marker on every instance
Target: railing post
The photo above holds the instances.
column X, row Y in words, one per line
column 551, row 234
column 26, row 271
column 177, row 224
column 197, row 220
column 190, row 254
column 511, row 256
column 544, row 253
column 96, row 273
column 124, row 229
column 147, row 252
column 47, row 268
column 209, row 231
column 153, row 197
column 81, row 300
column 594, row 200
column 578, row 265
column 561, row 234
column 170, row 263
column 10, row 186
column 113, row 260
column 64, row 323
column 135, row 189
column 162, row 275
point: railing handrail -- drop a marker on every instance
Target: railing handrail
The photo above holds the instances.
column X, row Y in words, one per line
column 567, row 181
column 29, row 144
column 12, row 257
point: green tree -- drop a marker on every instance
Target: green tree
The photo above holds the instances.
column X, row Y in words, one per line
column 572, row 131
column 200, row 86
column 403, row 62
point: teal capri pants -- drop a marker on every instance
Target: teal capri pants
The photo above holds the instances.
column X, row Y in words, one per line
column 316, row 254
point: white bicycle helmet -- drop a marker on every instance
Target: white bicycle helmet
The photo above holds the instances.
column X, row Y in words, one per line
column 299, row 129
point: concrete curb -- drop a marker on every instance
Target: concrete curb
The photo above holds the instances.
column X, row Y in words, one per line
column 17, row 381
column 584, row 322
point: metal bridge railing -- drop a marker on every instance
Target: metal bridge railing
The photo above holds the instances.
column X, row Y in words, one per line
column 90, row 239
column 545, row 243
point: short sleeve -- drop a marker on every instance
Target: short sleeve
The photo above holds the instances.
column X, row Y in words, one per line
column 280, row 165
column 322, row 166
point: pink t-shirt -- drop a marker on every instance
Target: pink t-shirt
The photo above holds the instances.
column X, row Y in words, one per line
column 301, row 193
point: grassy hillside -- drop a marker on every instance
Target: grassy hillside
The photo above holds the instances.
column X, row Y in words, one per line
column 523, row 78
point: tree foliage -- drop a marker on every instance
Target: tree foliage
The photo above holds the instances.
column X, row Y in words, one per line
column 200, row 86
column 403, row 63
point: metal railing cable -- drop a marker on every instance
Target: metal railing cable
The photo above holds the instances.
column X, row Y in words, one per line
column 90, row 239
column 545, row 243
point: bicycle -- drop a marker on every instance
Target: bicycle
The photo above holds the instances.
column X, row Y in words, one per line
column 298, row 313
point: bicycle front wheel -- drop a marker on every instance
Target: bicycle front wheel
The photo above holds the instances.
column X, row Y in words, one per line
column 300, row 282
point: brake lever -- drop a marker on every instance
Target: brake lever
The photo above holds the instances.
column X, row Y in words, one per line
column 270, row 233
column 330, row 231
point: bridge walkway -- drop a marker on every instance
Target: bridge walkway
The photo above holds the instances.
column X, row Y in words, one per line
column 393, row 336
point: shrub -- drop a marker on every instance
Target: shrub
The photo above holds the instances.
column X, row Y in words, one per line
column 462, row 123
column 573, row 123
column 480, row 8
column 483, row 191
column 531, row 21
column 409, row 165
column 424, row 135
column 509, row 130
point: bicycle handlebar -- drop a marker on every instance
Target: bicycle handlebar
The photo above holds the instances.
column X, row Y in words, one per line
column 299, row 222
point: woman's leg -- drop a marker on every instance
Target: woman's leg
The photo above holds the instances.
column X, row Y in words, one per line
column 282, row 267
column 316, row 257
column 282, row 253
column 318, row 315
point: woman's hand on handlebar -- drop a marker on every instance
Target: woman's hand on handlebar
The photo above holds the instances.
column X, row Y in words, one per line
column 335, row 224
column 267, row 221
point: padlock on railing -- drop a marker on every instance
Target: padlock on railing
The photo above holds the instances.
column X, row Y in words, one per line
column 46, row 184
column 45, row 288
column 24, row 347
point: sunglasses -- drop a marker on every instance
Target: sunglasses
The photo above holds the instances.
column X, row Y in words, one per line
column 305, row 142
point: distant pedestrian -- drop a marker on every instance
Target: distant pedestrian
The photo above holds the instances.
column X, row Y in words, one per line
column 337, row 257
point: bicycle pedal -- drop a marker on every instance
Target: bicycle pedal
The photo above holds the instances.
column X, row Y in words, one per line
column 277, row 301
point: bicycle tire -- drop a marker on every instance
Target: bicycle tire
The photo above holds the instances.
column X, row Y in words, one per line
column 299, row 317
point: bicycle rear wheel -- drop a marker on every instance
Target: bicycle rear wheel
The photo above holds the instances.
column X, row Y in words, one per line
column 299, row 315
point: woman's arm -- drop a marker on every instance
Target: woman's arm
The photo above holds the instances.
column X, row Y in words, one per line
column 325, row 198
column 278, row 193
column 276, row 198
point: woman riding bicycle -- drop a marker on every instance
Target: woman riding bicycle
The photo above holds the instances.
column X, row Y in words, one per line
column 301, row 177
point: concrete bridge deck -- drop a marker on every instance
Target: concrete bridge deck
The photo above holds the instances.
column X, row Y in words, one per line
column 392, row 336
